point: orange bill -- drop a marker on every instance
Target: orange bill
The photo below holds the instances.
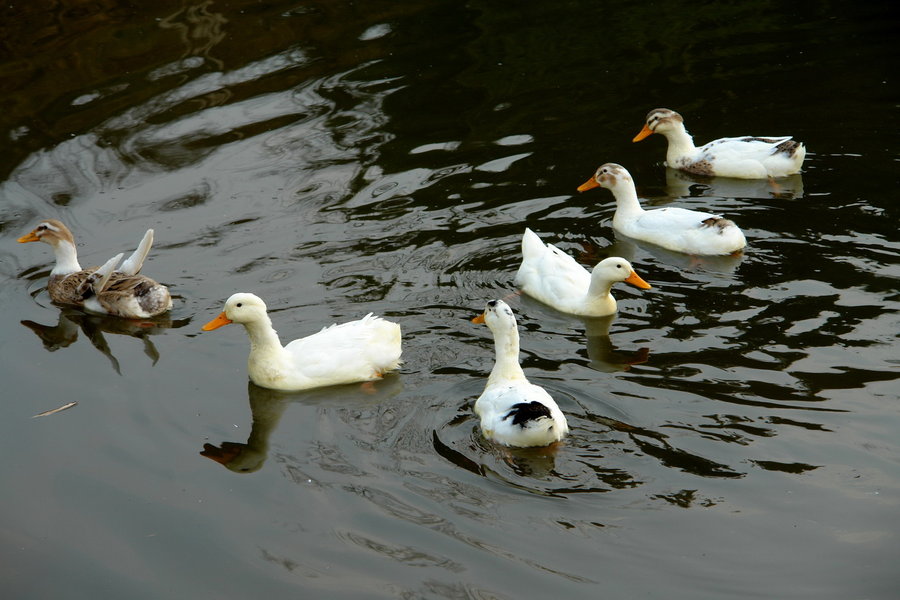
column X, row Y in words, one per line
column 635, row 280
column 646, row 131
column 29, row 237
column 479, row 319
column 588, row 185
column 219, row 321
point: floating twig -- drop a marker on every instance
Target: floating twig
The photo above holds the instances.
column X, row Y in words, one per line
column 47, row 413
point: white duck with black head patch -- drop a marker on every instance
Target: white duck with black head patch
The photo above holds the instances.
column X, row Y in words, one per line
column 672, row 227
column 746, row 157
column 512, row 410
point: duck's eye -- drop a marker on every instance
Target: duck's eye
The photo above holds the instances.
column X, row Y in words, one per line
column 42, row 228
column 239, row 304
column 618, row 266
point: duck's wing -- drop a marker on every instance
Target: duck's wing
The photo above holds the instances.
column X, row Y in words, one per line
column 95, row 282
column 737, row 148
column 552, row 274
column 363, row 347
column 132, row 266
column 671, row 219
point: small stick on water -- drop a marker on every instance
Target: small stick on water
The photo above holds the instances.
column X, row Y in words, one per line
column 47, row 413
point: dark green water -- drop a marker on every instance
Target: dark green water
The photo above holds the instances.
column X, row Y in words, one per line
column 338, row 158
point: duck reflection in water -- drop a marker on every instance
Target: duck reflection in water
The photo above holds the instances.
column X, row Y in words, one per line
column 632, row 249
column 71, row 320
column 603, row 355
column 680, row 184
column 267, row 407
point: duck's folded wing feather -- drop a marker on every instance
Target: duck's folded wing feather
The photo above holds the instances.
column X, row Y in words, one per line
column 671, row 219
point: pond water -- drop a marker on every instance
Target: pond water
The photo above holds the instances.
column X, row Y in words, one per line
column 734, row 429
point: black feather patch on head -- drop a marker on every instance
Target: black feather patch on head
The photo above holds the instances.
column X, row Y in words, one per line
column 523, row 412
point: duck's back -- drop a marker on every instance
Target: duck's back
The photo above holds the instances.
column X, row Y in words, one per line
column 356, row 351
column 550, row 275
column 519, row 413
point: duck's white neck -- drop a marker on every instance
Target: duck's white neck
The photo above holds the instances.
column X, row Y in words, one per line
column 681, row 145
column 598, row 294
column 66, row 258
column 627, row 204
column 263, row 337
column 506, row 349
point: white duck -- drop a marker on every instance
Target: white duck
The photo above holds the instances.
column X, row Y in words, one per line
column 673, row 228
column 742, row 157
column 513, row 411
column 120, row 292
column 361, row 350
column 555, row 278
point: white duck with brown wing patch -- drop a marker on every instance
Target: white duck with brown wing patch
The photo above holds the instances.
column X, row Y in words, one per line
column 512, row 410
column 113, row 290
column 673, row 228
column 746, row 157
column 362, row 350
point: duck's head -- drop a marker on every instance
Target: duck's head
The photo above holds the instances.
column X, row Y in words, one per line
column 49, row 231
column 618, row 269
column 497, row 315
column 239, row 308
column 659, row 120
column 609, row 176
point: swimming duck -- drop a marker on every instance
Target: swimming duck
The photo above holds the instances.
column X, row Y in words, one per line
column 673, row 228
column 513, row 411
column 361, row 350
column 111, row 289
column 742, row 157
column 555, row 278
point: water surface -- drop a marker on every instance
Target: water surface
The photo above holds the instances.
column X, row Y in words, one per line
column 733, row 429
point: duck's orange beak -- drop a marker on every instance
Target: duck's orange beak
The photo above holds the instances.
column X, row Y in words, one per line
column 219, row 321
column 29, row 237
column 635, row 280
column 646, row 131
column 479, row 319
column 588, row 185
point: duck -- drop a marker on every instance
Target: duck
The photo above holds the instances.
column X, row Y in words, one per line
column 555, row 278
column 745, row 157
column 513, row 411
column 671, row 227
column 111, row 289
column 356, row 351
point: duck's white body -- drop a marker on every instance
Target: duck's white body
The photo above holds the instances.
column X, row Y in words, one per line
column 673, row 228
column 746, row 157
column 111, row 289
column 555, row 278
column 513, row 411
column 360, row 350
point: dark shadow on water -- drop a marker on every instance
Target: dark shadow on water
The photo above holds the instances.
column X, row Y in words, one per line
column 267, row 407
column 94, row 327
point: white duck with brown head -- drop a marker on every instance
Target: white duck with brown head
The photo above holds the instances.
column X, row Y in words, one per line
column 747, row 157
column 673, row 228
